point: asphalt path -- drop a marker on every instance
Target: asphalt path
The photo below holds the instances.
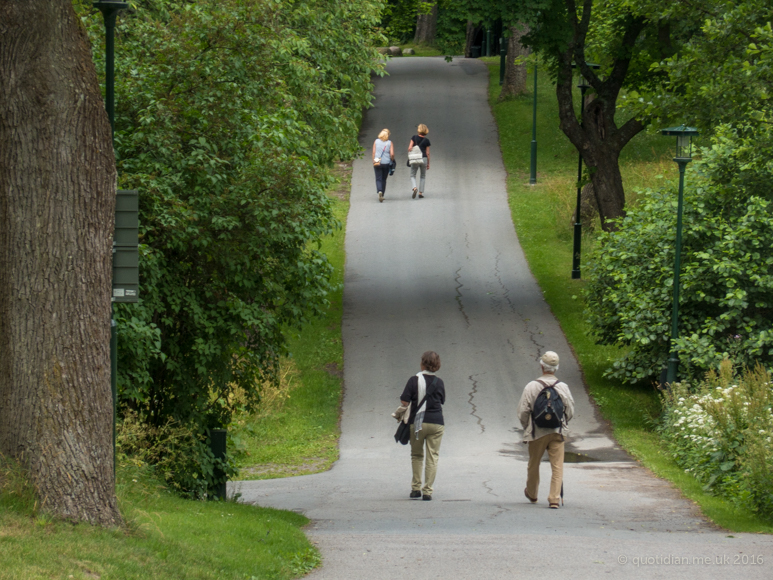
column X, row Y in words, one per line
column 447, row 273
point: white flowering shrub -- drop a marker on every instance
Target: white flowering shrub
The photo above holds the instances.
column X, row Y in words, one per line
column 721, row 431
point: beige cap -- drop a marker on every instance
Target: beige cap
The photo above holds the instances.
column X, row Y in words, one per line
column 549, row 358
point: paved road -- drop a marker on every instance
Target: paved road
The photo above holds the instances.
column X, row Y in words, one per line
column 447, row 273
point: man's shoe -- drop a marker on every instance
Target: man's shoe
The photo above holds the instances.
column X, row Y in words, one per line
column 380, row 196
column 526, row 493
column 415, row 495
column 426, row 497
column 414, row 193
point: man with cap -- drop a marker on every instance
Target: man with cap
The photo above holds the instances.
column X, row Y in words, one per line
column 541, row 439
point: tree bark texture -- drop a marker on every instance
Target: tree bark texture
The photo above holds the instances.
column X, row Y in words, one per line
column 57, row 198
column 426, row 25
column 588, row 207
column 472, row 32
column 599, row 140
column 515, row 74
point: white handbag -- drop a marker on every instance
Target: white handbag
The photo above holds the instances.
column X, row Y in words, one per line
column 415, row 156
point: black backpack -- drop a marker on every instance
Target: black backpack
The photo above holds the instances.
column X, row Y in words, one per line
column 548, row 410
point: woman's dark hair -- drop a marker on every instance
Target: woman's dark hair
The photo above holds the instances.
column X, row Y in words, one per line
column 431, row 361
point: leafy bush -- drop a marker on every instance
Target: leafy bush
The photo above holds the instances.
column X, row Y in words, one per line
column 721, row 431
column 228, row 113
column 451, row 32
column 180, row 454
column 726, row 294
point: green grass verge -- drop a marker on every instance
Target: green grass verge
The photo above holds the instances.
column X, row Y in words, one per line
column 165, row 537
column 542, row 215
column 421, row 50
column 297, row 431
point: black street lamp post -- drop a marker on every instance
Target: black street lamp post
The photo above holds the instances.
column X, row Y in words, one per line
column 583, row 86
column 502, row 63
column 533, row 171
column 684, row 137
column 109, row 13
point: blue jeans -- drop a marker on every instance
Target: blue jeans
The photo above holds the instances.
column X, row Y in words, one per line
column 382, row 172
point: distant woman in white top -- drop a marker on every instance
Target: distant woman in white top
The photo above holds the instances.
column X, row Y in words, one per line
column 421, row 165
column 383, row 154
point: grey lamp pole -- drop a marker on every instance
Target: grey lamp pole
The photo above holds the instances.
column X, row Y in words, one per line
column 684, row 137
column 109, row 13
column 533, row 172
column 583, row 86
column 488, row 42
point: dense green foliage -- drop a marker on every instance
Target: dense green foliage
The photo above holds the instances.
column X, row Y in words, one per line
column 726, row 299
column 451, row 27
column 398, row 20
column 721, row 432
column 228, row 114
column 720, row 75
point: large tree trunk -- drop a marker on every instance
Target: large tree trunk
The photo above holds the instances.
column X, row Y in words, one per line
column 598, row 139
column 426, row 24
column 472, row 32
column 57, row 198
column 515, row 74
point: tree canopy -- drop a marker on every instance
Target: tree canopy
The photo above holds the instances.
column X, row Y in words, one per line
column 228, row 114
column 720, row 81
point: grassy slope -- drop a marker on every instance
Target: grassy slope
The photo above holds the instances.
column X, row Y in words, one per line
column 543, row 215
column 165, row 537
column 299, row 434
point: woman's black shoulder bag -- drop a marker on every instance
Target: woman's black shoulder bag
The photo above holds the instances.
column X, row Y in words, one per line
column 403, row 433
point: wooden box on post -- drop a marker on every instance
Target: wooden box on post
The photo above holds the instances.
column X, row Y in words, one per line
column 126, row 260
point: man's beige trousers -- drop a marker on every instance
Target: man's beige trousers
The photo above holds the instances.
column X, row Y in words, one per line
column 554, row 444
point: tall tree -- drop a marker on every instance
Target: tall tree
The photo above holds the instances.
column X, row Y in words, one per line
column 515, row 29
column 472, row 31
column 626, row 39
column 515, row 71
column 426, row 23
column 57, row 196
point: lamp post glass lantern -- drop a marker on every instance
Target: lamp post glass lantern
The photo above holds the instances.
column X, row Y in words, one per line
column 577, row 250
column 684, row 137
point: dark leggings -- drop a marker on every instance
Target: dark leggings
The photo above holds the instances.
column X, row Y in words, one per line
column 382, row 172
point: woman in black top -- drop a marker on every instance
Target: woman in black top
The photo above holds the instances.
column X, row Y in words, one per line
column 422, row 143
column 426, row 423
